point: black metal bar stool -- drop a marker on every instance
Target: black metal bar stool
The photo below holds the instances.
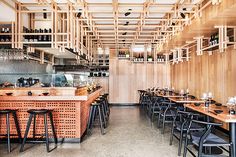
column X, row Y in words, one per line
column 104, row 107
column 7, row 112
column 45, row 113
column 96, row 109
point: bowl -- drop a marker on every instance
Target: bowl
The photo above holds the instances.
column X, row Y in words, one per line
column 218, row 104
column 218, row 111
column 45, row 93
column 197, row 104
column 9, row 94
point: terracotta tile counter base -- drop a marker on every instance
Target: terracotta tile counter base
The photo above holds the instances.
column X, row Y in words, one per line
column 70, row 113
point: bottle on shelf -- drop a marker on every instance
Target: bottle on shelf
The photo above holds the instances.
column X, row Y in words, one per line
column 217, row 38
column 45, row 36
column 49, row 36
column 40, row 37
column 3, row 30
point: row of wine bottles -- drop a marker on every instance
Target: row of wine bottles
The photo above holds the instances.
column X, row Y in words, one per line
column 123, row 54
column 5, row 38
column 40, row 37
column 214, row 39
column 160, row 58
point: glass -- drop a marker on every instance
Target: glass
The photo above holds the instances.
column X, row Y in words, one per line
column 46, row 80
column 231, row 105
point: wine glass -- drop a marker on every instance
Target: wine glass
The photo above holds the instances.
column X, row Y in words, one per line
column 231, row 105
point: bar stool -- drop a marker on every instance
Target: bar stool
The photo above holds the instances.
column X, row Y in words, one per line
column 45, row 113
column 104, row 107
column 7, row 112
column 94, row 109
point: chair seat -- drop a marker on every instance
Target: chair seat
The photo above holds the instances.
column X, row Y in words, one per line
column 211, row 140
column 168, row 114
column 5, row 111
column 194, row 127
column 215, row 155
column 38, row 111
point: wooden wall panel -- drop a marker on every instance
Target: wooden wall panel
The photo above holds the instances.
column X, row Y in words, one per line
column 207, row 73
column 127, row 77
column 104, row 82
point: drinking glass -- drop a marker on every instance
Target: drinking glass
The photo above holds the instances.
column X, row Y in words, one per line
column 231, row 105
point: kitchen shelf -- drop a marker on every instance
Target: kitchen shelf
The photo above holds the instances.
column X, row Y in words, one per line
column 36, row 33
column 37, row 42
column 138, row 61
column 5, row 33
column 216, row 46
column 127, row 58
column 5, row 43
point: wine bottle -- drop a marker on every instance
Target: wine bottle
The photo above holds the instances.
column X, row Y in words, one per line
column 45, row 36
column 35, row 36
column 31, row 37
column 25, row 36
column 3, row 30
column 210, row 41
column 217, row 38
column 40, row 36
column 7, row 37
column 49, row 36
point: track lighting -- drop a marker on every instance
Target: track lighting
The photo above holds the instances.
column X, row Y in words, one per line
column 44, row 14
column 182, row 14
column 127, row 23
column 79, row 13
column 128, row 13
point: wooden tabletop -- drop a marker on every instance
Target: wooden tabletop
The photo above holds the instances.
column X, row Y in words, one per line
column 169, row 96
column 224, row 116
column 184, row 100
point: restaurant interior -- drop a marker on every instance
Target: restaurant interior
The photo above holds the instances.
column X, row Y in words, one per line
column 117, row 78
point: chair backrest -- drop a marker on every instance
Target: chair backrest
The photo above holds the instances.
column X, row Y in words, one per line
column 208, row 128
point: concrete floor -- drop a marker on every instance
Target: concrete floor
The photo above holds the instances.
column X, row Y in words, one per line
column 130, row 134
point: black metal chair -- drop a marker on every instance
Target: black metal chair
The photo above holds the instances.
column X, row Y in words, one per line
column 180, row 125
column 204, row 139
column 7, row 112
column 45, row 113
column 156, row 107
column 167, row 114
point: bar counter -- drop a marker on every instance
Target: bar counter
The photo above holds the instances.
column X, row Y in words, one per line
column 70, row 111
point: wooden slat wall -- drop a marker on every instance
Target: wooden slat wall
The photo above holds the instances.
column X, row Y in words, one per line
column 125, row 78
column 215, row 73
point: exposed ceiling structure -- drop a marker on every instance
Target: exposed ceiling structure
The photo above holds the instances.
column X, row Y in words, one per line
column 126, row 22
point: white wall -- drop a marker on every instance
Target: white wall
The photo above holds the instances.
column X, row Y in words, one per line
column 6, row 13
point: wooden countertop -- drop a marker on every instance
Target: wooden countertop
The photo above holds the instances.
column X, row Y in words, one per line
column 50, row 97
column 223, row 117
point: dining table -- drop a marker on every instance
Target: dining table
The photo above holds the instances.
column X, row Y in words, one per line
column 183, row 100
column 223, row 116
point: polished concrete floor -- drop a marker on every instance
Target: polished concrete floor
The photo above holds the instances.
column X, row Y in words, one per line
column 130, row 134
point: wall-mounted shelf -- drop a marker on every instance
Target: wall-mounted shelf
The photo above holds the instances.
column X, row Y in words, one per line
column 127, row 58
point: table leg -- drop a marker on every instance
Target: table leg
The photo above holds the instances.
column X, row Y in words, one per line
column 233, row 139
